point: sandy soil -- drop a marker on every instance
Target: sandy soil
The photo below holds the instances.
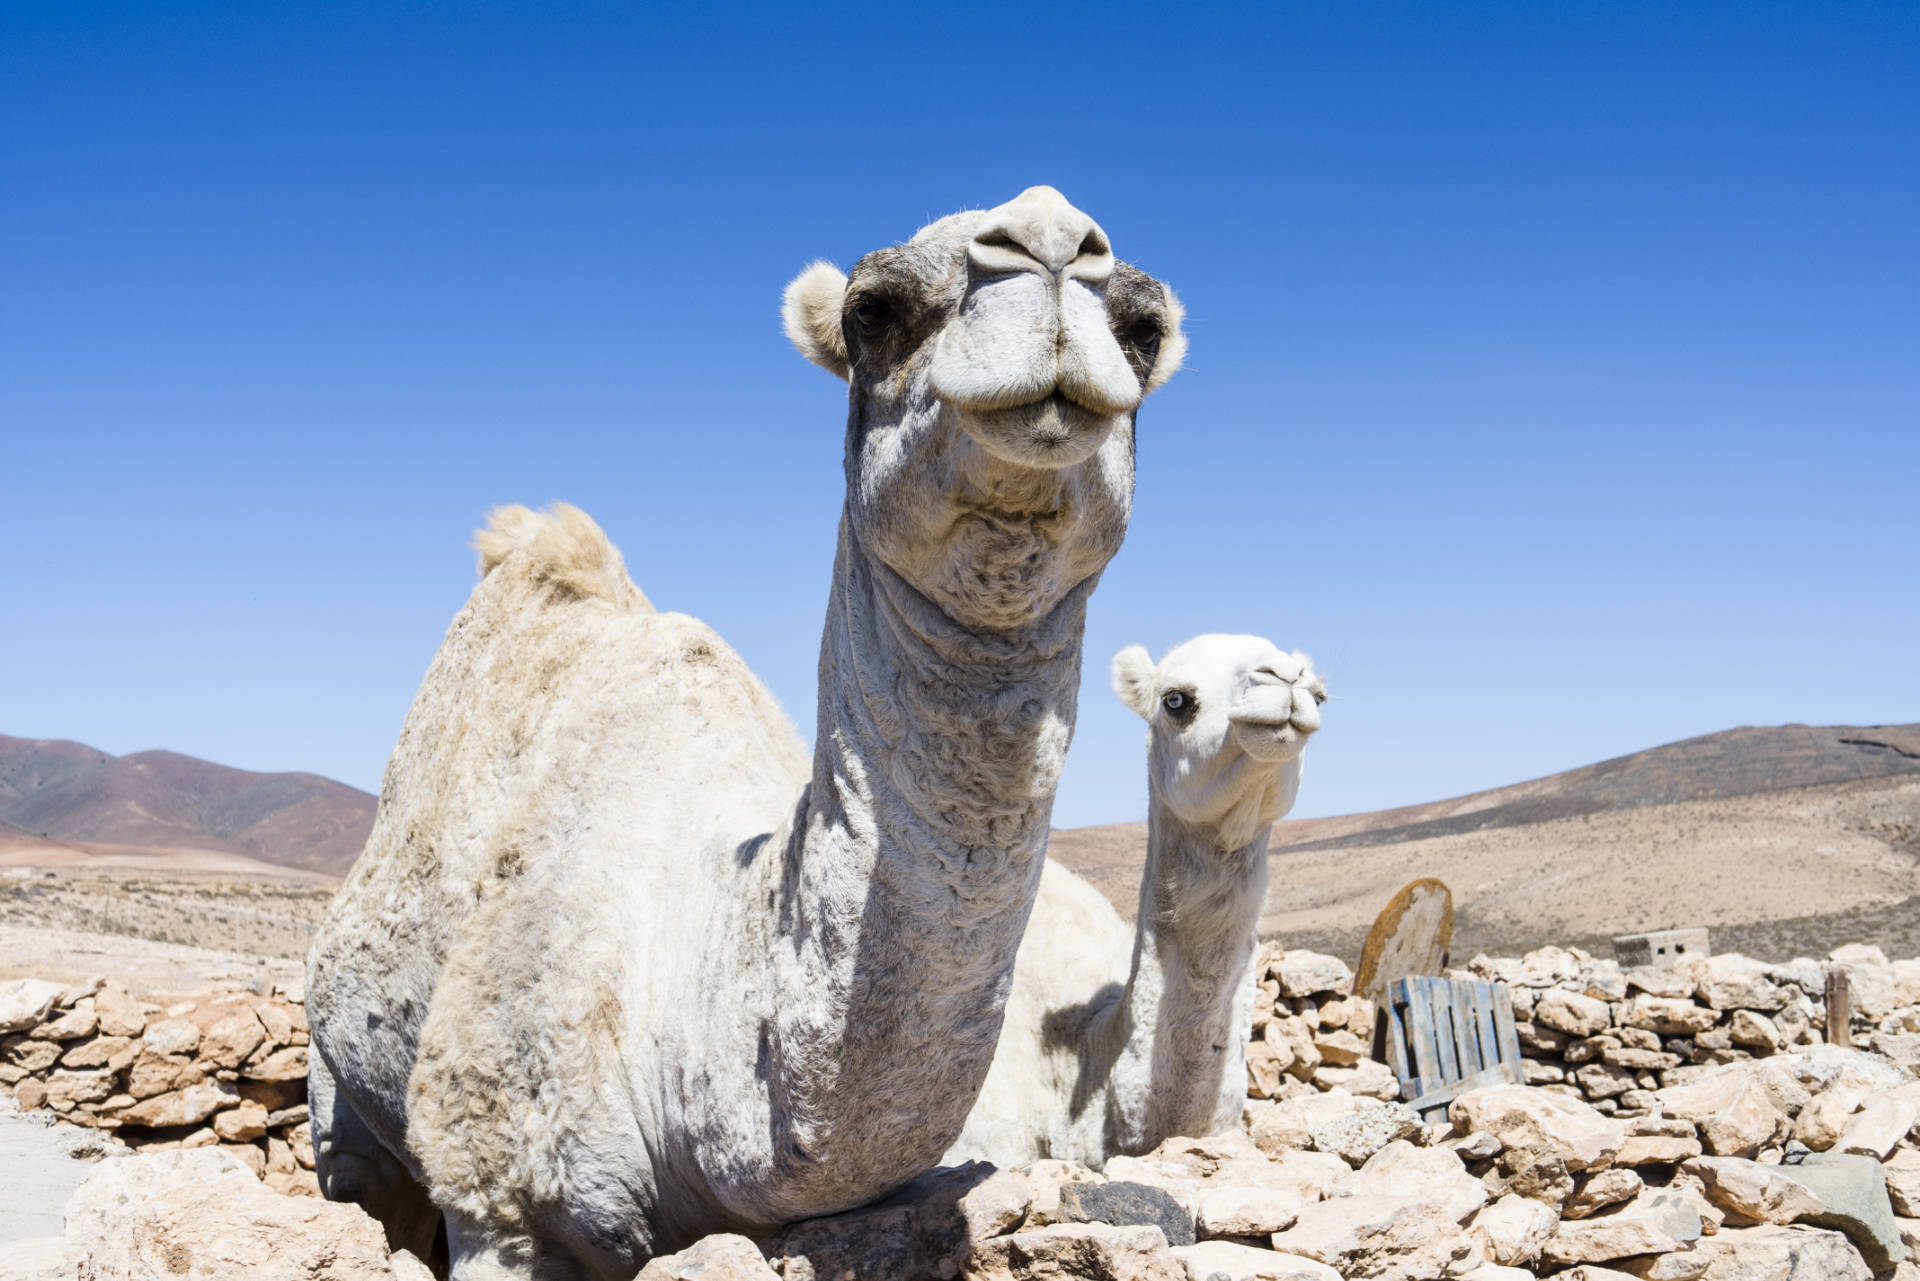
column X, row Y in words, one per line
column 41, row 1163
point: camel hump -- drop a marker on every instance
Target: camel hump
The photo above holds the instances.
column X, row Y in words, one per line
column 563, row 549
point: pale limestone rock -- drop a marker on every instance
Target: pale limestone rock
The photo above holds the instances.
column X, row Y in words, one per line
column 1680, row 1265
column 1736, row 1114
column 1356, row 1137
column 1340, row 1048
column 1599, row 1190
column 1524, row 1117
column 42, row 1259
column 113, row 1052
column 1755, row 1030
column 1267, row 1065
column 1774, row 1253
column 1432, row 1174
column 1854, row 1192
column 34, row 1056
column 1730, row 981
column 66, row 1089
column 1291, row 1122
column 1903, row 1181
column 173, row 1036
column 242, row 1231
column 1303, row 973
column 1668, row 1015
column 277, row 1022
column 1655, row 1222
column 1240, row 1211
column 1545, row 967
column 119, row 1014
column 721, row 1257
column 1479, row 1146
column 24, row 1003
column 1368, row 1078
column 1390, row 1238
column 1214, row 1260
column 181, row 1107
column 1877, row 1128
column 98, row 1212
column 70, row 1026
column 1092, row 1250
column 228, row 1042
column 408, row 1268
column 1572, row 1013
column 247, row 1120
column 1656, row 1149
column 1822, row 1122
column 1753, row 1193
column 156, row 1074
column 1513, row 1229
column 289, row 1064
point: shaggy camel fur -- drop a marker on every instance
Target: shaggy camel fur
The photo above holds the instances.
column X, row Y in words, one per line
column 1100, row 1056
column 619, row 966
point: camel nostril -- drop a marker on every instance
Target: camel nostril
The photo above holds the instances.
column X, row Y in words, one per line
column 1038, row 228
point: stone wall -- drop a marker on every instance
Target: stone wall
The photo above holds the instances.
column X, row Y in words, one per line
column 222, row 1070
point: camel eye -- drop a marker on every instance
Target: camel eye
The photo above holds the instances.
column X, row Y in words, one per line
column 1174, row 701
column 872, row 313
column 1145, row 334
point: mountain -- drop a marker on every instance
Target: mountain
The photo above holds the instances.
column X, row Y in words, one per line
column 1777, row 837
column 59, row 795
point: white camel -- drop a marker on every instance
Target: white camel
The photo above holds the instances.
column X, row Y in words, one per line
column 619, row 966
column 1100, row 1054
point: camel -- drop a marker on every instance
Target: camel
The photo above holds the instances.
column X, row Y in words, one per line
column 1101, row 1055
column 621, row 966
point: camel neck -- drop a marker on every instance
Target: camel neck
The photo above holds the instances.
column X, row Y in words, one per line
column 914, row 860
column 1184, row 1007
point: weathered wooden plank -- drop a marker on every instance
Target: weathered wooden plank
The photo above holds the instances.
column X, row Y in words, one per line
column 1483, row 997
column 1440, row 1001
column 1426, row 1055
column 1503, row 1024
column 1839, row 1008
column 1466, row 1029
column 1396, row 1012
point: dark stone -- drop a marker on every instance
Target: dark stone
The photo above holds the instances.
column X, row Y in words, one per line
column 1127, row 1205
column 1855, row 1190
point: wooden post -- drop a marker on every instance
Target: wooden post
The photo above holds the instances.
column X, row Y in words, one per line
column 1839, row 1008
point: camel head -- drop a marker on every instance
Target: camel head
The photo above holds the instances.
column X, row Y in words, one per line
column 995, row 363
column 1228, row 718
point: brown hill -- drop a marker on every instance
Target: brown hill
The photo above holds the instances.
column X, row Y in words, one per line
column 1780, row 838
column 153, row 804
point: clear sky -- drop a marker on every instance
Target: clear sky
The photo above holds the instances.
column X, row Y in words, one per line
column 1555, row 375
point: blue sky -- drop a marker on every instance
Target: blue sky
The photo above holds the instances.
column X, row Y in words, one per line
column 1555, row 375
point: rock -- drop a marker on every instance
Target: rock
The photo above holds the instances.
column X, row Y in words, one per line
column 408, row 1268
column 181, row 1107
column 1290, row 1124
column 1095, row 1251
column 1539, row 1176
column 1569, row 1012
column 43, row 1259
column 1340, row 1048
column 861, row 1243
column 1656, row 1149
column 66, row 1089
column 289, row 1064
column 1513, row 1229
column 1753, row 1193
column 1854, row 1192
column 1877, row 1128
column 1479, row 1146
column 1357, row 1136
column 1043, row 1180
column 24, row 1003
column 1267, row 1065
column 1773, row 1253
column 1524, row 1117
column 1756, row 1030
column 1368, row 1078
column 156, row 1074
column 228, row 1042
column 241, row 1123
column 952, row 1210
column 100, row 1209
column 70, row 1026
column 1730, row 981
column 722, row 1257
column 30, row 1095
column 242, row 1231
column 277, row 1022
column 1902, row 1171
column 1434, row 1175
column 116, row 1052
column 1669, row 1016
column 1736, row 1114
column 1654, row 1222
column 119, row 1013
column 1389, row 1238
column 1822, row 1122
column 1239, row 1211
column 1303, row 973
column 1215, row 1260
column 35, row 1056
column 1680, row 1265
column 1124, row 1205
column 173, row 1036
column 1599, row 1190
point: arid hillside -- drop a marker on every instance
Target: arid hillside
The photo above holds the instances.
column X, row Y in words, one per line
column 65, row 803
column 1784, row 839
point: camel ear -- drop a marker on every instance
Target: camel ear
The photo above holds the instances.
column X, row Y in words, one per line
column 811, row 310
column 1133, row 680
column 1173, row 343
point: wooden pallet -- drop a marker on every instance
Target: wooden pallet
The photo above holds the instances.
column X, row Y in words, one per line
column 1446, row 1037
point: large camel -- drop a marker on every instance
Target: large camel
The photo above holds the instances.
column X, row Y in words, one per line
column 1117, row 1039
column 618, row 968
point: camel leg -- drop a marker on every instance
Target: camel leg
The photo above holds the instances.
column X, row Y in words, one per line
column 353, row 1165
